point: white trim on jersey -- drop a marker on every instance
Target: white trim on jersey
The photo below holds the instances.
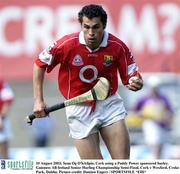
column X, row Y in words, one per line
column 132, row 68
column 103, row 43
column 45, row 57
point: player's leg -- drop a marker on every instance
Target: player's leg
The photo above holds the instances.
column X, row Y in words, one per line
column 88, row 148
column 155, row 138
column 116, row 138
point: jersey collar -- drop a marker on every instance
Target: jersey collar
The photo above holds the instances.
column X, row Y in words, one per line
column 103, row 43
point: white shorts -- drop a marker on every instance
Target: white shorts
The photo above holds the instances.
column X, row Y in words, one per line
column 153, row 133
column 5, row 132
column 82, row 122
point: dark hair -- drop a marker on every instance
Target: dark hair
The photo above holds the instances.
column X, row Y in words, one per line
column 91, row 11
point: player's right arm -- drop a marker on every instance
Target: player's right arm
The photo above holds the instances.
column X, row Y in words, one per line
column 38, row 78
column 41, row 65
column 45, row 62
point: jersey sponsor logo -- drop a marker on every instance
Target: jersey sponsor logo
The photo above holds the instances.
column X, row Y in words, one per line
column 82, row 73
column 108, row 60
column 77, row 61
column 92, row 55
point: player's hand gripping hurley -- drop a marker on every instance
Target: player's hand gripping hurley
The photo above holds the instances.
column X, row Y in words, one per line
column 99, row 92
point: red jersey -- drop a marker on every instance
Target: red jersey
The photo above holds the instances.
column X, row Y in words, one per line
column 6, row 94
column 80, row 67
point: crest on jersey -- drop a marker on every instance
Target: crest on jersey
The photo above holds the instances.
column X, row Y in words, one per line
column 77, row 61
column 108, row 60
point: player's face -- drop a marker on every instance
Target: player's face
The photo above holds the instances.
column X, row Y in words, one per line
column 93, row 31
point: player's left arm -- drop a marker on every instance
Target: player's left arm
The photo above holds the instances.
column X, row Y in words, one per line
column 129, row 71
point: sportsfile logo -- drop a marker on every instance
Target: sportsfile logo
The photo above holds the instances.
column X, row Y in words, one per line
column 3, row 164
column 17, row 164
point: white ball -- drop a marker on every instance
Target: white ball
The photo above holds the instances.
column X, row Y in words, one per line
column 134, row 78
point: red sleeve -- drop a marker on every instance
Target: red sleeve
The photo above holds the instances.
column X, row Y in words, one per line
column 50, row 57
column 127, row 65
column 56, row 53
